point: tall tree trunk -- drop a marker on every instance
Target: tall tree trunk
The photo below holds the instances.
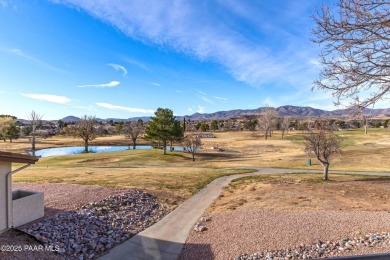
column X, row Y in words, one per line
column 193, row 156
column 134, row 144
column 326, row 173
column 170, row 148
column 86, row 146
column 33, row 142
column 164, row 147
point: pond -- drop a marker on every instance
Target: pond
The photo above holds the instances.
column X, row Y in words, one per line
column 92, row 149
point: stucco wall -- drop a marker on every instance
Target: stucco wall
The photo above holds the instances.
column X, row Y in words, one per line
column 26, row 206
column 5, row 167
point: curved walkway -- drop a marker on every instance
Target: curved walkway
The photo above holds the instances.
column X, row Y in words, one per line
column 165, row 239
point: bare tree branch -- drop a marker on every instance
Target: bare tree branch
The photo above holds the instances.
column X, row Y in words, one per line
column 35, row 120
column 355, row 51
column 323, row 145
column 192, row 143
column 85, row 129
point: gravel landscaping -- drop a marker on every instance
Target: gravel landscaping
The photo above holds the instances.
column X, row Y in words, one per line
column 82, row 232
column 99, row 226
column 283, row 234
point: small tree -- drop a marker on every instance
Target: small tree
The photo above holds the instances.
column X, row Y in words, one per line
column 323, row 145
column 214, row 125
column 118, row 127
column 251, row 125
column 26, row 130
column 8, row 129
column 267, row 121
column 177, row 134
column 85, row 129
column 285, row 125
column 132, row 131
column 204, row 127
column 161, row 127
column 192, row 143
column 60, row 124
column 35, row 120
column 363, row 115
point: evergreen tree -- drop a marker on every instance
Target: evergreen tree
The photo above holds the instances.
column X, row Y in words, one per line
column 163, row 127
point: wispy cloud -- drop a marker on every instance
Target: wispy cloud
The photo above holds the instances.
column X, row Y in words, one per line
column 136, row 63
column 201, row 109
column 128, row 109
column 118, row 68
column 199, row 31
column 105, row 85
column 269, row 102
column 155, row 84
column 210, row 98
column 32, row 59
column 48, row 98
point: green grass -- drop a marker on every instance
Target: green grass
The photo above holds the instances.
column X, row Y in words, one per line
column 149, row 170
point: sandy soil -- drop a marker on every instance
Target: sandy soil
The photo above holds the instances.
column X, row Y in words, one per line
column 232, row 233
column 284, row 211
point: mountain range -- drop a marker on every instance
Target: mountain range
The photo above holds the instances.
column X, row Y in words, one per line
column 293, row 111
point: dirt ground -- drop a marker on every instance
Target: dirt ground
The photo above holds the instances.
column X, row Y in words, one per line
column 306, row 192
column 259, row 213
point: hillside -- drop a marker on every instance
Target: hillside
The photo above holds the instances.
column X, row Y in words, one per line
column 293, row 111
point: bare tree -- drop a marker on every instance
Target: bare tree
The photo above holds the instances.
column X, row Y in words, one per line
column 267, row 121
column 285, row 125
column 355, row 37
column 132, row 131
column 192, row 143
column 323, row 145
column 85, row 129
column 363, row 115
column 35, row 120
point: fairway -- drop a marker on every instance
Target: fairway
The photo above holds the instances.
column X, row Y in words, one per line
column 175, row 172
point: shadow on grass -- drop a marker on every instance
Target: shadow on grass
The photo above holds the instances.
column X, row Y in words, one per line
column 383, row 179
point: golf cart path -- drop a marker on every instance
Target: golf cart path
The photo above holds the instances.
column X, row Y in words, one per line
column 165, row 239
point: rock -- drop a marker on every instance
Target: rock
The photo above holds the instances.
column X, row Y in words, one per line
column 199, row 228
column 205, row 219
column 98, row 226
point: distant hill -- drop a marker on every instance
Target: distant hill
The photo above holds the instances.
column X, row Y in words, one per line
column 68, row 119
column 293, row 111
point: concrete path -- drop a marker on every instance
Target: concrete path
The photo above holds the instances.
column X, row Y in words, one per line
column 165, row 239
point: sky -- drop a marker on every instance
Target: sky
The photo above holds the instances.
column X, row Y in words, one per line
column 126, row 58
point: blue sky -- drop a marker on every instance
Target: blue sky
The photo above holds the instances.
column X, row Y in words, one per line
column 127, row 58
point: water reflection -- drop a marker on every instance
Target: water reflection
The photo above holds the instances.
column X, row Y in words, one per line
column 92, row 149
